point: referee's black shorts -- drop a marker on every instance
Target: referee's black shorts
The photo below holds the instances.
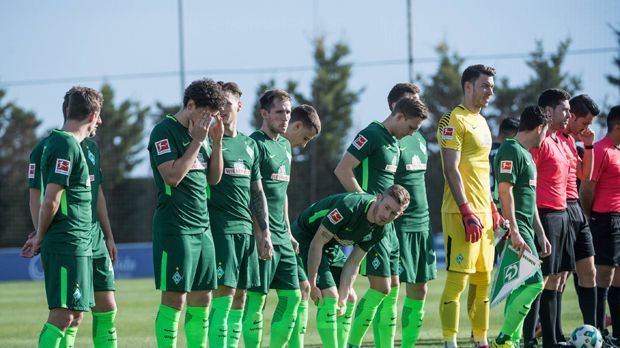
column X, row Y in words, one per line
column 606, row 236
column 562, row 240
column 581, row 230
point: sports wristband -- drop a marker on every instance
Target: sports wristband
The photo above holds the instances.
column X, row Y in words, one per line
column 589, row 147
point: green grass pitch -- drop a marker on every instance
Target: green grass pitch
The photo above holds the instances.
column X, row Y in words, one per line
column 23, row 311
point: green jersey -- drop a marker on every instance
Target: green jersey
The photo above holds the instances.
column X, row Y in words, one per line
column 378, row 152
column 229, row 203
column 514, row 164
column 275, row 169
column 410, row 175
column 344, row 215
column 63, row 163
column 91, row 152
column 35, row 180
column 181, row 209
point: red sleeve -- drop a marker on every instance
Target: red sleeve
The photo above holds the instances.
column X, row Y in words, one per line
column 600, row 162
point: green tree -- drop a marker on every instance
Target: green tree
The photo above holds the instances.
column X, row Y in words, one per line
column 333, row 99
column 17, row 138
column 615, row 80
column 120, row 137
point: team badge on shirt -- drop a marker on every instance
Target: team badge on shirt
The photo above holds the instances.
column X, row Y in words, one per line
column 334, row 216
column 162, row 147
column 447, row 133
column 359, row 142
column 505, row 167
column 31, row 169
column 63, row 166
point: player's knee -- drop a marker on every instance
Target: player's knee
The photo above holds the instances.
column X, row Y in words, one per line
column 380, row 284
column 553, row 282
column 105, row 301
column 417, row 291
column 173, row 299
column 77, row 319
column 603, row 278
column 304, row 288
column 455, row 285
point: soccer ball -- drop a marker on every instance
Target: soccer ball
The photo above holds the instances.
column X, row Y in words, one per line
column 586, row 336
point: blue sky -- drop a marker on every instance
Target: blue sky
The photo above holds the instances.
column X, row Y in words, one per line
column 66, row 39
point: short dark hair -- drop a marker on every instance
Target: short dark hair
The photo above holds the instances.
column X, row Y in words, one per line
column 532, row 117
column 399, row 90
column 230, row 87
column 266, row 100
column 509, row 127
column 613, row 117
column 473, row 72
column 65, row 101
column 398, row 193
column 83, row 101
column 582, row 105
column 411, row 108
column 552, row 97
column 204, row 93
column 308, row 117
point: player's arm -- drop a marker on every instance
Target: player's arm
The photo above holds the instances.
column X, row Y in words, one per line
column 172, row 172
column 288, row 225
column 508, row 209
column 540, row 235
column 47, row 211
column 585, row 167
column 216, row 162
column 344, row 172
column 586, row 193
column 34, row 202
column 349, row 272
column 322, row 237
column 260, row 215
column 104, row 220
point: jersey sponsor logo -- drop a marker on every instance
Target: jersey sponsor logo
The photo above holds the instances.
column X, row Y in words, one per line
column 91, row 178
column 359, row 142
column 392, row 166
column 31, row 170
column 199, row 162
column 505, row 167
column 334, row 216
column 447, row 133
column 63, row 166
column 532, row 182
column 162, row 147
column 416, row 164
column 281, row 174
column 343, row 241
column 239, row 169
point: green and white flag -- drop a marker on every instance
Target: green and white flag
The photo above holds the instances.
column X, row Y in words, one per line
column 512, row 272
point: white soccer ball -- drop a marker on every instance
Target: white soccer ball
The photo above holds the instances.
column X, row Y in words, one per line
column 586, row 336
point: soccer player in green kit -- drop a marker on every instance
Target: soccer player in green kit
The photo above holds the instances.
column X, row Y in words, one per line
column 369, row 165
column 304, row 126
column 353, row 218
column 515, row 173
column 417, row 251
column 280, row 273
column 103, row 246
column 235, row 204
column 64, row 224
column 184, row 164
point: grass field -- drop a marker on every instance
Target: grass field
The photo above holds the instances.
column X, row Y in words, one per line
column 23, row 312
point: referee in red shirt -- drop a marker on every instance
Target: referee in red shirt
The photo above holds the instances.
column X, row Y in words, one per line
column 601, row 202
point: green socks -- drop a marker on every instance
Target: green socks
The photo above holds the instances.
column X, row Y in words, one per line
column 299, row 331
column 68, row 340
column 384, row 323
column 104, row 332
column 365, row 312
column 50, row 336
column 196, row 326
column 234, row 327
column 253, row 319
column 517, row 307
column 344, row 324
column 218, row 318
column 326, row 323
column 413, row 313
column 166, row 326
column 283, row 320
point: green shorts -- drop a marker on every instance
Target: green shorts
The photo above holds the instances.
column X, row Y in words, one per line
column 184, row 263
column 301, row 271
column 236, row 261
column 330, row 268
column 103, row 272
column 383, row 259
column 280, row 272
column 68, row 281
column 417, row 256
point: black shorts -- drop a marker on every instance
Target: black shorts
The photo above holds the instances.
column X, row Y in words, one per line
column 556, row 226
column 581, row 230
column 606, row 235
